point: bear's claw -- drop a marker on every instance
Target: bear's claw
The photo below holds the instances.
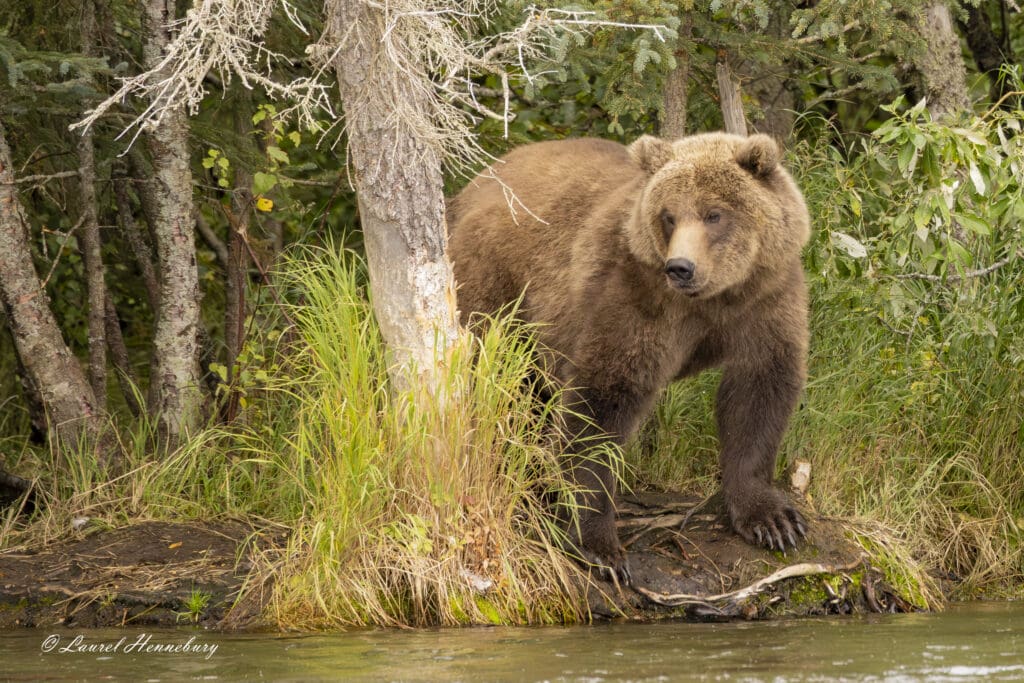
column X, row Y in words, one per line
column 614, row 570
column 770, row 524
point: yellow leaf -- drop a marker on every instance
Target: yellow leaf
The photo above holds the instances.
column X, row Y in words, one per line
column 264, row 204
column 174, row 545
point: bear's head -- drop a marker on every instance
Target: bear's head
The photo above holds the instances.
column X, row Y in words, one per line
column 716, row 209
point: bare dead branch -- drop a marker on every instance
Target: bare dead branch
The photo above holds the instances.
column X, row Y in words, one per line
column 226, row 37
column 44, row 177
column 210, row 237
column 955, row 277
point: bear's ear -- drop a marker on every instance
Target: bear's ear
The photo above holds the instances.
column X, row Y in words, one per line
column 759, row 154
column 650, row 152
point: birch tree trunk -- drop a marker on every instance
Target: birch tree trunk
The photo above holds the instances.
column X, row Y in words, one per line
column 400, row 192
column 941, row 65
column 174, row 394
column 53, row 370
column 90, row 239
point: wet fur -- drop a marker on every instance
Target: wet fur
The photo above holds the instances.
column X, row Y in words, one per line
column 584, row 238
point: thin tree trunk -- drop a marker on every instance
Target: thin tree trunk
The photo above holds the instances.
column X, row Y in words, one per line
column 941, row 65
column 237, row 258
column 675, row 96
column 215, row 243
column 401, row 198
column 174, row 394
column 51, row 367
column 732, row 103
column 126, row 379
column 989, row 53
column 272, row 229
column 771, row 84
column 138, row 245
column 30, row 394
column 90, row 244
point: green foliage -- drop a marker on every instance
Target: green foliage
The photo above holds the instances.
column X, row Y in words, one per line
column 929, row 215
column 912, row 411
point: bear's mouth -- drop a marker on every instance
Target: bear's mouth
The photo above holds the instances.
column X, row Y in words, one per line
column 688, row 287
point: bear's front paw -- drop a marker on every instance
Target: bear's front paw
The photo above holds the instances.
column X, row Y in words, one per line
column 598, row 547
column 766, row 517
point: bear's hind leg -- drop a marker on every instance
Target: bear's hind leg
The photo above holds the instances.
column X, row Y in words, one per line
column 602, row 417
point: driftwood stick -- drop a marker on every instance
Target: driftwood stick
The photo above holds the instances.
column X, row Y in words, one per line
column 729, row 94
column 793, row 570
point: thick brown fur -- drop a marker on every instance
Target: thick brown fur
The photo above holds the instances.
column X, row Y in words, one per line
column 647, row 264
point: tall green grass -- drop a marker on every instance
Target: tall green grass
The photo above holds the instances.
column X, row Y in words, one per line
column 412, row 502
column 401, row 508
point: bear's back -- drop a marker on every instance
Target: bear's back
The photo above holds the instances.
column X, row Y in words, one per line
column 517, row 221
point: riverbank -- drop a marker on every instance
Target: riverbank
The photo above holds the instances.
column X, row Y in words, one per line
column 686, row 564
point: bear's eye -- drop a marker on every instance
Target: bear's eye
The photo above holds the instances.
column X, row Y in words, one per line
column 668, row 222
column 713, row 217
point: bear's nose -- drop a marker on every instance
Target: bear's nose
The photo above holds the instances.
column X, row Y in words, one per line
column 680, row 269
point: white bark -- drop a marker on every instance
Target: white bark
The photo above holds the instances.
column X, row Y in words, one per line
column 89, row 243
column 174, row 395
column 732, row 103
column 52, row 369
column 400, row 189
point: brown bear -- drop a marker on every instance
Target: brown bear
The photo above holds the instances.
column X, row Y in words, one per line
column 644, row 265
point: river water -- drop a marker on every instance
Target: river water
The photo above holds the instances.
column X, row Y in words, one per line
column 976, row 641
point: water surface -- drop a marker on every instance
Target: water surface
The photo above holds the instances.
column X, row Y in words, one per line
column 977, row 641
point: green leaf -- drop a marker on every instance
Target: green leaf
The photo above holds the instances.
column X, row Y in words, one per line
column 974, row 224
column 977, row 179
column 848, row 244
column 922, row 215
column 277, row 154
column 906, row 158
column 263, row 182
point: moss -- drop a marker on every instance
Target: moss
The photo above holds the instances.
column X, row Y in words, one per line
column 808, row 593
column 902, row 575
column 489, row 612
column 12, row 606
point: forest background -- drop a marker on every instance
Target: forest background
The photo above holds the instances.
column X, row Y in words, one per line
column 207, row 290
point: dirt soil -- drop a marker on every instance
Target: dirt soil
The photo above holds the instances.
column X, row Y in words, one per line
column 143, row 574
column 685, row 563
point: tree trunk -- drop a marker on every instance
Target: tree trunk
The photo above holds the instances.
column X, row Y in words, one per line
column 941, row 65
column 989, row 53
column 119, row 357
column 136, row 241
column 237, row 258
column 174, row 394
column 401, row 198
column 732, row 103
column 771, row 85
column 675, row 97
column 90, row 245
column 51, row 367
column 37, row 420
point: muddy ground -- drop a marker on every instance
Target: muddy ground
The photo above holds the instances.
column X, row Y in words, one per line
column 685, row 563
